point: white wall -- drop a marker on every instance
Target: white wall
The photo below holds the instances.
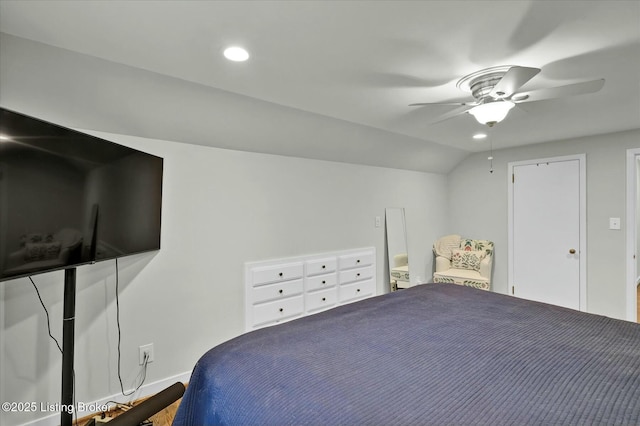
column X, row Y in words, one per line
column 478, row 208
column 220, row 209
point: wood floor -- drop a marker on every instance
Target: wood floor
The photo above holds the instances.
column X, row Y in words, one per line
column 163, row 418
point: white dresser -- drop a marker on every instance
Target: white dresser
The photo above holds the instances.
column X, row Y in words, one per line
column 280, row 290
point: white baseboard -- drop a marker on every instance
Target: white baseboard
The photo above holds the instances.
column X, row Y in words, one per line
column 144, row 391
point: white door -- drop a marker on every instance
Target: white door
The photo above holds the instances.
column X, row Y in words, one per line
column 546, row 230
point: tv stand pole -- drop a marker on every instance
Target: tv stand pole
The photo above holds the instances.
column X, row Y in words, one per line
column 68, row 336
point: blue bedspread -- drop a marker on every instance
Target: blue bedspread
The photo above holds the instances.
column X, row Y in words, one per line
column 435, row 354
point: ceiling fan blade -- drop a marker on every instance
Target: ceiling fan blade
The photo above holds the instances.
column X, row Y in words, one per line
column 512, row 80
column 560, row 91
column 453, row 113
column 444, row 103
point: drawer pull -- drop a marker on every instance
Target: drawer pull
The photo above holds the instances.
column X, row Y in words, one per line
column 358, row 291
column 358, row 274
column 358, row 261
column 282, row 310
column 280, row 291
column 324, row 281
column 280, row 274
column 324, row 266
column 324, row 299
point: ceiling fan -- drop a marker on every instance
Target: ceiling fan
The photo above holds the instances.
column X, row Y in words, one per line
column 495, row 92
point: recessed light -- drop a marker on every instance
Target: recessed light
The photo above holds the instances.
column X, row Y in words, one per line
column 4, row 138
column 479, row 136
column 236, row 54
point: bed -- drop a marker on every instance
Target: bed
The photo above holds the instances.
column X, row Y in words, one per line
column 434, row 354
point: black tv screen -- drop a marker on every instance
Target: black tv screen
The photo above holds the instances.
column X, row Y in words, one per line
column 68, row 198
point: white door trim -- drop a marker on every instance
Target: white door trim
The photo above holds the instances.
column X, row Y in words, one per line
column 632, row 194
column 582, row 161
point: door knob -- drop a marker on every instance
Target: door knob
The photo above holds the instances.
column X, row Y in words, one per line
column 572, row 251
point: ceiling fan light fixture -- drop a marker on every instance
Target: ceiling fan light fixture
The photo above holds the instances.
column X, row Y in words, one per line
column 492, row 112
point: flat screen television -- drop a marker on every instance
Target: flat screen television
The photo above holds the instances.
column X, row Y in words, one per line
column 68, row 198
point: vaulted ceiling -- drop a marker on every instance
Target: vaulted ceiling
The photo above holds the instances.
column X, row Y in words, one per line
column 362, row 62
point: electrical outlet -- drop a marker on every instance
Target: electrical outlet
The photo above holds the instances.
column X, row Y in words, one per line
column 614, row 223
column 145, row 349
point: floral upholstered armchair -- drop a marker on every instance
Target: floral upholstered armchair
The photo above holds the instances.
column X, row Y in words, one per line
column 463, row 261
column 400, row 272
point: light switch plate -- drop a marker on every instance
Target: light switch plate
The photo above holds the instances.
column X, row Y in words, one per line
column 614, row 223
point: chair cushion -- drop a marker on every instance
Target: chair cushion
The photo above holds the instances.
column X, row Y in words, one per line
column 41, row 251
column 462, row 277
column 461, row 274
column 400, row 273
column 484, row 245
column 35, row 238
column 443, row 246
column 467, row 259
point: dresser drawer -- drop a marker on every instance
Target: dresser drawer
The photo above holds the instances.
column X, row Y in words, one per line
column 280, row 290
column 321, row 281
column 320, row 300
column 355, row 291
column 272, row 274
column 321, row 266
column 356, row 274
column 278, row 310
column 355, row 260
column 264, row 293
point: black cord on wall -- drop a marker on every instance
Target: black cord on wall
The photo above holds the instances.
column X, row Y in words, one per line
column 57, row 342
column 146, row 356
column 47, row 314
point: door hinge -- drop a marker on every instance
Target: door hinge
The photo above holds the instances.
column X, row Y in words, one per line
column 513, row 289
column 513, row 178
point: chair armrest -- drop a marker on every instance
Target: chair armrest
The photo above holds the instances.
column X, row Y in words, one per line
column 485, row 267
column 400, row 260
column 63, row 257
column 442, row 264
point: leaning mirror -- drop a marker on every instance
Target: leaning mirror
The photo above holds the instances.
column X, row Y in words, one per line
column 397, row 248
